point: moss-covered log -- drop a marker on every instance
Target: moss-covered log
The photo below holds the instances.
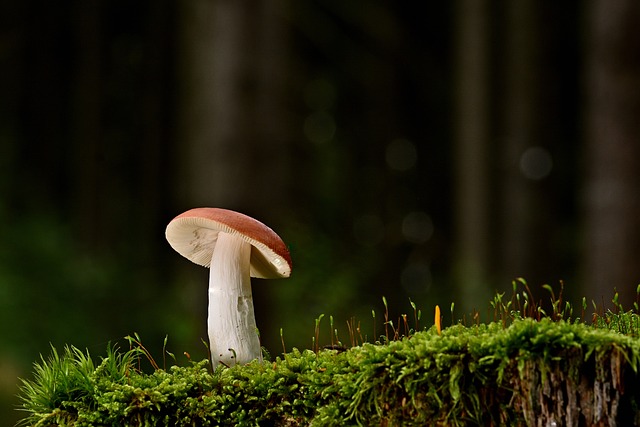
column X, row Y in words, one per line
column 531, row 373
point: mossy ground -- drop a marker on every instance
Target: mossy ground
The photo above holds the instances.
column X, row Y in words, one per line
column 522, row 373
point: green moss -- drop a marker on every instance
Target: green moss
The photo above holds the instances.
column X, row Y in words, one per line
column 480, row 375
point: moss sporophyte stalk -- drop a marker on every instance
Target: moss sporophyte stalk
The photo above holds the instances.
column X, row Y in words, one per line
column 522, row 369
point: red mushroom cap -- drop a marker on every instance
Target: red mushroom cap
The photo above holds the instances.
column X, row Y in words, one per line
column 194, row 233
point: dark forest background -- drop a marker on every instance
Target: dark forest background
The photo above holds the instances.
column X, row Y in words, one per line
column 429, row 152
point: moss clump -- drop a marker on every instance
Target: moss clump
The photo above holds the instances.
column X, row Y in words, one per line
column 529, row 373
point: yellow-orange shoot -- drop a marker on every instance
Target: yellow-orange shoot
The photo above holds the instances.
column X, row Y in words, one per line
column 438, row 325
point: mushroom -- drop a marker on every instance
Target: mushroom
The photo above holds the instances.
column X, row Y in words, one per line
column 235, row 247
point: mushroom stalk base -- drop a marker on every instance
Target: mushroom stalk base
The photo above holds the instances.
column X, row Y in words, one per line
column 233, row 335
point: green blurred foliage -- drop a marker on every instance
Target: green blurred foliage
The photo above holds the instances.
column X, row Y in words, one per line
column 52, row 293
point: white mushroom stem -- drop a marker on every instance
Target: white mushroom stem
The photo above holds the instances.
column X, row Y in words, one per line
column 233, row 335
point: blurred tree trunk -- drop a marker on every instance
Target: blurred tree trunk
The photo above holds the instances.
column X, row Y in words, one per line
column 103, row 143
column 472, row 157
column 88, row 144
column 517, row 108
column 213, row 125
column 157, row 110
column 526, row 224
column 234, row 152
column 612, row 131
column 505, row 223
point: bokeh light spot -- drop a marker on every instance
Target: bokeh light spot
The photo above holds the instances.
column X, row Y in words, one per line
column 401, row 155
column 319, row 127
column 417, row 227
column 368, row 230
column 536, row 163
